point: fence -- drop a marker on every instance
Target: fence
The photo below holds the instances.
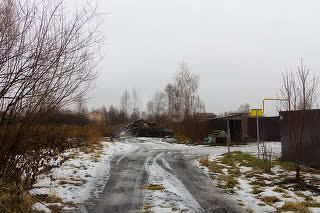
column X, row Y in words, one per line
column 269, row 128
column 300, row 136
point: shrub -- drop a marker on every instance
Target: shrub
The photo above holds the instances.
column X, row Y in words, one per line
column 30, row 149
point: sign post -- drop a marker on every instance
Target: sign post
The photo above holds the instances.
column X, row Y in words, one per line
column 228, row 133
column 257, row 113
column 258, row 135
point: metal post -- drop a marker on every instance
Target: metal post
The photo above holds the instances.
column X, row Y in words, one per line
column 228, row 134
column 258, row 136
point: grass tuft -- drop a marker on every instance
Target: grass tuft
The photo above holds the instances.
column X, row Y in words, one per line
column 212, row 165
column 154, row 187
column 256, row 190
column 299, row 207
column 279, row 190
column 228, row 181
column 270, row 199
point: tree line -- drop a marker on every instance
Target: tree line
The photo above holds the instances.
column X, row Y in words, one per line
column 178, row 101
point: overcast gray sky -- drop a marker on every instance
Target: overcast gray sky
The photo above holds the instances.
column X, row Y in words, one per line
column 238, row 48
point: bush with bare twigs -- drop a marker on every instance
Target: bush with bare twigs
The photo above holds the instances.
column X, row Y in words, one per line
column 47, row 61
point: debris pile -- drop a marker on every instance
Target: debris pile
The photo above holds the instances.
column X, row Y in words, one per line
column 142, row 128
column 217, row 136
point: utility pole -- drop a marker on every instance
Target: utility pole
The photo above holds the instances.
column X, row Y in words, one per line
column 228, row 134
column 256, row 113
column 258, row 135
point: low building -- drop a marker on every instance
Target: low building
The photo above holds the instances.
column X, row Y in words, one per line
column 96, row 116
column 244, row 128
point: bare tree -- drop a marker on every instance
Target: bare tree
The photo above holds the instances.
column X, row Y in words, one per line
column 125, row 102
column 199, row 105
column 170, row 98
column 244, row 108
column 113, row 115
column 81, row 105
column 187, row 86
column 300, row 88
column 47, row 60
column 136, row 103
column 180, row 99
column 159, row 104
column 150, row 109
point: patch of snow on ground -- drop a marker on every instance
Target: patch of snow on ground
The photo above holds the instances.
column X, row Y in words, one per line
column 245, row 196
column 81, row 177
column 244, row 193
column 40, row 207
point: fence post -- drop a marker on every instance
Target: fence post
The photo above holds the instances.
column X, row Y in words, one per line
column 258, row 136
column 228, row 134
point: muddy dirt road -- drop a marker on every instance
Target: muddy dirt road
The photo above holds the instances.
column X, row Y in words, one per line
column 185, row 187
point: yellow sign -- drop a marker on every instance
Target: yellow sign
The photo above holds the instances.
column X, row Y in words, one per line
column 256, row 113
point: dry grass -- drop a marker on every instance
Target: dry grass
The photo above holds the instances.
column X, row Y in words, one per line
column 213, row 166
column 182, row 139
column 270, row 199
column 13, row 198
column 52, row 200
column 279, row 190
column 256, row 190
column 300, row 194
column 228, row 181
column 204, row 161
column 298, row 207
column 154, row 187
column 288, row 166
column 147, row 208
column 242, row 159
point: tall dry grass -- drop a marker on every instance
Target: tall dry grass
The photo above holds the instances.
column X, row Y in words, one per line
column 28, row 150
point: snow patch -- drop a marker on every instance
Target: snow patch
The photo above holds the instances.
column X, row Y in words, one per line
column 82, row 177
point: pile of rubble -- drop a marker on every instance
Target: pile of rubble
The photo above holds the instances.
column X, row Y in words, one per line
column 142, row 128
